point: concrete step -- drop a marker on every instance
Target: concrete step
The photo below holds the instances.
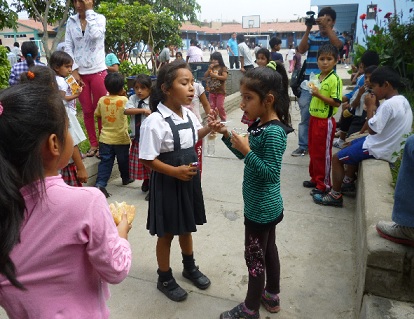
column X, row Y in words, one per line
column 374, row 307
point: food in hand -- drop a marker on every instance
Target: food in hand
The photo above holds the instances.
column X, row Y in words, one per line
column 311, row 85
column 118, row 209
column 74, row 86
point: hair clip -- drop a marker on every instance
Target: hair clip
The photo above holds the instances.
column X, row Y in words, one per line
column 30, row 75
column 272, row 65
column 28, row 54
column 1, row 108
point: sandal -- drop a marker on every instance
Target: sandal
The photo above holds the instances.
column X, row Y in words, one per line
column 97, row 154
column 92, row 152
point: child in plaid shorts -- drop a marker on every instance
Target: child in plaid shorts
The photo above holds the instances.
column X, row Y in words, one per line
column 138, row 109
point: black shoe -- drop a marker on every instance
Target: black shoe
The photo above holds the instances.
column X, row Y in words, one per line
column 145, row 187
column 309, row 184
column 128, row 181
column 104, row 191
column 348, row 189
column 197, row 277
column 317, row 191
column 172, row 290
column 147, row 197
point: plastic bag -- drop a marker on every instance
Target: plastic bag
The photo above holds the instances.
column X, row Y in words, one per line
column 313, row 82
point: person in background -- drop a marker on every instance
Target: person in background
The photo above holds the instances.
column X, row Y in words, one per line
column 74, row 173
column 29, row 51
column 179, row 56
column 246, row 58
column 112, row 62
column 194, row 53
column 11, row 56
column 216, row 76
column 289, row 57
column 114, row 140
column 17, row 52
column 297, row 60
column 165, row 55
column 233, row 51
column 310, row 43
column 67, row 233
column 138, row 109
column 275, row 45
column 85, row 43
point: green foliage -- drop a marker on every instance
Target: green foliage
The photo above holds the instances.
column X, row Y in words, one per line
column 394, row 42
column 4, row 68
column 8, row 17
column 128, row 68
column 54, row 10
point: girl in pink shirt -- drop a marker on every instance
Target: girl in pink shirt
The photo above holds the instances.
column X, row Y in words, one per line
column 60, row 246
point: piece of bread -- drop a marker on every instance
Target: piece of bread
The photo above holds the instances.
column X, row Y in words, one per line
column 118, row 209
column 311, row 85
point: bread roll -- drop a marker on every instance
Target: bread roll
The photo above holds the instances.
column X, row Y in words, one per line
column 311, row 85
column 118, row 209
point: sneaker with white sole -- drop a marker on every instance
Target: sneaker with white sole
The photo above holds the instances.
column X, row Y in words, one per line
column 238, row 312
column 396, row 233
column 338, row 143
column 299, row 152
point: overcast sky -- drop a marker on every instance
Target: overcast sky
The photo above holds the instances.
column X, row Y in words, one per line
column 229, row 10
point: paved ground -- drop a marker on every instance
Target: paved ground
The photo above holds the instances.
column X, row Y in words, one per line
column 316, row 246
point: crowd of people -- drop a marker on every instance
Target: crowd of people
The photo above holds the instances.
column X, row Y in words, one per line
column 49, row 217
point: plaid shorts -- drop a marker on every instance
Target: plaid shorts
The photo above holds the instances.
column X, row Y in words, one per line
column 137, row 170
column 69, row 175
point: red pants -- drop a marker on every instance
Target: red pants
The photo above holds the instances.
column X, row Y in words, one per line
column 321, row 135
column 93, row 90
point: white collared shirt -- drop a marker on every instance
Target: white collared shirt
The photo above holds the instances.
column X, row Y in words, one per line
column 156, row 136
column 133, row 104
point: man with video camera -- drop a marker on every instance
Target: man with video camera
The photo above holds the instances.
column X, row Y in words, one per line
column 311, row 43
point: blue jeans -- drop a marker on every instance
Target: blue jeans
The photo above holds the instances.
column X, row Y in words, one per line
column 403, row 210
column 107, row 153
column 303, row 127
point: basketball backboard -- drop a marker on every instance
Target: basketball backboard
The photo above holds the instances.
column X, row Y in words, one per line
column 251, row 22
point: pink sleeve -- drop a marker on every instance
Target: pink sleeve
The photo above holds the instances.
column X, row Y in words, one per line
column 109, row 254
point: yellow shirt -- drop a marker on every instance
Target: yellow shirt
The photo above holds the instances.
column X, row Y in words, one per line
column 114, row 122
column 331, row 86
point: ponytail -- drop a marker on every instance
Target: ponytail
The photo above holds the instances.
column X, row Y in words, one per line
column 30, row 51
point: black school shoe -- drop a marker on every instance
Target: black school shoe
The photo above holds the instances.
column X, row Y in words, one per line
column 104, row 191
column 172, row 290
column 197, row 278
column 127, row 181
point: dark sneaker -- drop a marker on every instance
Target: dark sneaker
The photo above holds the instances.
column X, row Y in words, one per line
column 104, row 191
column 348, row 189
column 147, row 197
column 317, row 191
column 144, row 188
column 309, row 184
column 128, row 181
column 396, row 233
column 239, row 313
column 299, row 152
column 172, row 290
column 328, row 200
column 197, row 277
column 271, row 305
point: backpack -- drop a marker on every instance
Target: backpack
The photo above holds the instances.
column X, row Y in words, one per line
column 298, row 76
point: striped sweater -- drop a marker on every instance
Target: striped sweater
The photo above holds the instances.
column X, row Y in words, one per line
column 263, row 202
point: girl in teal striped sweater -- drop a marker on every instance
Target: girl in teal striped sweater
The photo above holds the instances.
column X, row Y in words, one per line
column 265, row 97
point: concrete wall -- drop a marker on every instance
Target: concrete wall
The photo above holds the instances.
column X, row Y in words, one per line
column 384, row 268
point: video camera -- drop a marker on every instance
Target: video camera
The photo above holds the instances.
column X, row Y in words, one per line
column 310, row 18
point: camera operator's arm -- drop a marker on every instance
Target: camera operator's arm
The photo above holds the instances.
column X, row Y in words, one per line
column 304, row 45
column 330, row 33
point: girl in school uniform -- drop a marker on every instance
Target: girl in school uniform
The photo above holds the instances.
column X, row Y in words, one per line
column 166, row 146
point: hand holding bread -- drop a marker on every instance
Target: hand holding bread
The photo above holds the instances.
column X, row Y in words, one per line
column 118, row 209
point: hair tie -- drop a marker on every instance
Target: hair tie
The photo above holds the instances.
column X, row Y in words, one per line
column 272, row 65
column 1, row 108
column 30, row 75
column 28, row 54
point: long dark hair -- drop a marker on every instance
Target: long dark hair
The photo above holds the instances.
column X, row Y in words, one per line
column 217, row 56
column 29, row 113
column 166, row 77
column 265, row 80
column 29, row 51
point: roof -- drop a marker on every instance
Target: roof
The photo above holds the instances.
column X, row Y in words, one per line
column 35, row 25
column 278, row 27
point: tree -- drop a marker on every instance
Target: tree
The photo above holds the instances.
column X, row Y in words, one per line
column 8, row 17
